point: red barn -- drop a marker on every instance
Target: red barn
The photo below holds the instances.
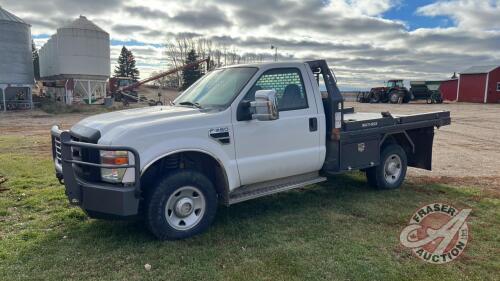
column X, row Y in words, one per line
column 448, row 89
column 479, row 84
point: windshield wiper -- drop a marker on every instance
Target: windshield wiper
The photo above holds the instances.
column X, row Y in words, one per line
column 190, row 103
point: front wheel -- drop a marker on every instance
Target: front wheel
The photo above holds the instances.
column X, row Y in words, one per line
column 394, row 97
column 181, row 205
column 391, row 172
column 374, row 97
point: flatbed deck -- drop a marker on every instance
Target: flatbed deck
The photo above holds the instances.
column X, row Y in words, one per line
column 357, row 121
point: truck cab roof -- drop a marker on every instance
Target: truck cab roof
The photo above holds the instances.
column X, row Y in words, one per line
column 267, row 64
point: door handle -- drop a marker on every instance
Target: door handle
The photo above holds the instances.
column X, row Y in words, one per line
column 313, row 124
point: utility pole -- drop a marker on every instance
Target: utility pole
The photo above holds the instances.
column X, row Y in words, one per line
column 275, row 52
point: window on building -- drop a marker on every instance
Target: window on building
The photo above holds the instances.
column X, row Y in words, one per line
column 289, row 87
column 498, row 86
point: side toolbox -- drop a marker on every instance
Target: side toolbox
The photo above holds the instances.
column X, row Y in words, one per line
column 359, row 153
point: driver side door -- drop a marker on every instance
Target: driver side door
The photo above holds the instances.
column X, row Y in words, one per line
column 290, row 145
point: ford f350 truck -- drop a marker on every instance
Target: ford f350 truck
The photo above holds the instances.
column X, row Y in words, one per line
column 238, row 133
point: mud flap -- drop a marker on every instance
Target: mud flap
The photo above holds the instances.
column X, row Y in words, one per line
column 422, row 156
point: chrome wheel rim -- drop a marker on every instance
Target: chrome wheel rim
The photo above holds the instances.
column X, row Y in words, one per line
column 185, row 207
column 392, row 168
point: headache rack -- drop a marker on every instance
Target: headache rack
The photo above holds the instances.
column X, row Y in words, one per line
column 62, row 153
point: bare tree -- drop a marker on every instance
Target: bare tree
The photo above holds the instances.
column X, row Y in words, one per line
column 177, row 48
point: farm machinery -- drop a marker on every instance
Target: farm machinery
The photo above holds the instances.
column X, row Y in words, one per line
column 394, row 92
column 124, row 89
column 428, row 91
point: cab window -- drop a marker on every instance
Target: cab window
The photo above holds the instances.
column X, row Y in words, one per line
column 289, row 87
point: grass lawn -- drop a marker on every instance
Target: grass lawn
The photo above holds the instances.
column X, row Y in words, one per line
column 340, row 230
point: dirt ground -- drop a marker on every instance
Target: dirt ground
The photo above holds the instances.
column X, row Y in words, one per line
column 465, row 153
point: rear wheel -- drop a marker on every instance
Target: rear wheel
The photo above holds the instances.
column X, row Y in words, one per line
column 391, row 172
column 181, row 205
column 407, row 98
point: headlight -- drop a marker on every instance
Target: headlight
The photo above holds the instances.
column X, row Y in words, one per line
column 113, row 158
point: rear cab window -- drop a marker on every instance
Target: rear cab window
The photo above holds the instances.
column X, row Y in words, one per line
column 289, row 87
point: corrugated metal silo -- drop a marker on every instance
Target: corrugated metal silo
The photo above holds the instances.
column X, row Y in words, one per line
column 16, row 64
column 79, row 52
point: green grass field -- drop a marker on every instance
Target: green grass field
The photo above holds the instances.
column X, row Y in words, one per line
column 340, row 230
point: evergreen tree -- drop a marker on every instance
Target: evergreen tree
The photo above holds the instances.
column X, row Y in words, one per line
column 126, row 65
column 121, row 68
column 36, row 60
column 190, row 75
column 133, row 72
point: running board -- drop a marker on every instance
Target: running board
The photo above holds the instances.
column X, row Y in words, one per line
column 252, row 191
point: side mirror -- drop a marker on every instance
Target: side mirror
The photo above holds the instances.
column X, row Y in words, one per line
column 265, row 106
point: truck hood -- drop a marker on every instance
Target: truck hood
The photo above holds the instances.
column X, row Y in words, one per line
column 126, row 119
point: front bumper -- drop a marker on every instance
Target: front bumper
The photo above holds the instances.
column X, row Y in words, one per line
column 95, row 197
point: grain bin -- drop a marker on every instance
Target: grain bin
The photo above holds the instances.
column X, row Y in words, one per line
column 16, row 65
column 78, row 57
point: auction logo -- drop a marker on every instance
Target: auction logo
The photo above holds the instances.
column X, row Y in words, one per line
column 438, row 233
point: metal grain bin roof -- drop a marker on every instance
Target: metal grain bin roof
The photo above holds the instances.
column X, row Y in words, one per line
column 83, row 23
column 6, row 16
column 80, row 49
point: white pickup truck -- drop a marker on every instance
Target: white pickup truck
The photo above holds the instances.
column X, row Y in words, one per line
column 238, row 133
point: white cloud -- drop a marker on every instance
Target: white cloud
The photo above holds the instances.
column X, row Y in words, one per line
column 468, row 14
column 371, row 7
column 362, row 46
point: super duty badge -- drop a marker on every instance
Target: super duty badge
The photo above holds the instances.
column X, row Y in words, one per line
column 220, row 134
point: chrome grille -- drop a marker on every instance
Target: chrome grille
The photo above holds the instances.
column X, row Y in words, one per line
column 57, row 145
column 87, row 173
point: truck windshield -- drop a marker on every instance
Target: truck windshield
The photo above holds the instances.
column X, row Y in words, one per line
column 216, row 89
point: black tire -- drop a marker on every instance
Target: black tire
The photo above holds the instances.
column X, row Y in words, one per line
column 360, row 97
column 437, row 98
column 374, row 97
column 376, row 176
column 159, row 103
column 156, row 202
column 394, row 97
column 407, row 98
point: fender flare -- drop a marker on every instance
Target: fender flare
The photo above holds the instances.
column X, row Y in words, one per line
column 219, row 161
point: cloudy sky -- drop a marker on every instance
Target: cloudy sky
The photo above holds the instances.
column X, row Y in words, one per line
column 364, row 41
